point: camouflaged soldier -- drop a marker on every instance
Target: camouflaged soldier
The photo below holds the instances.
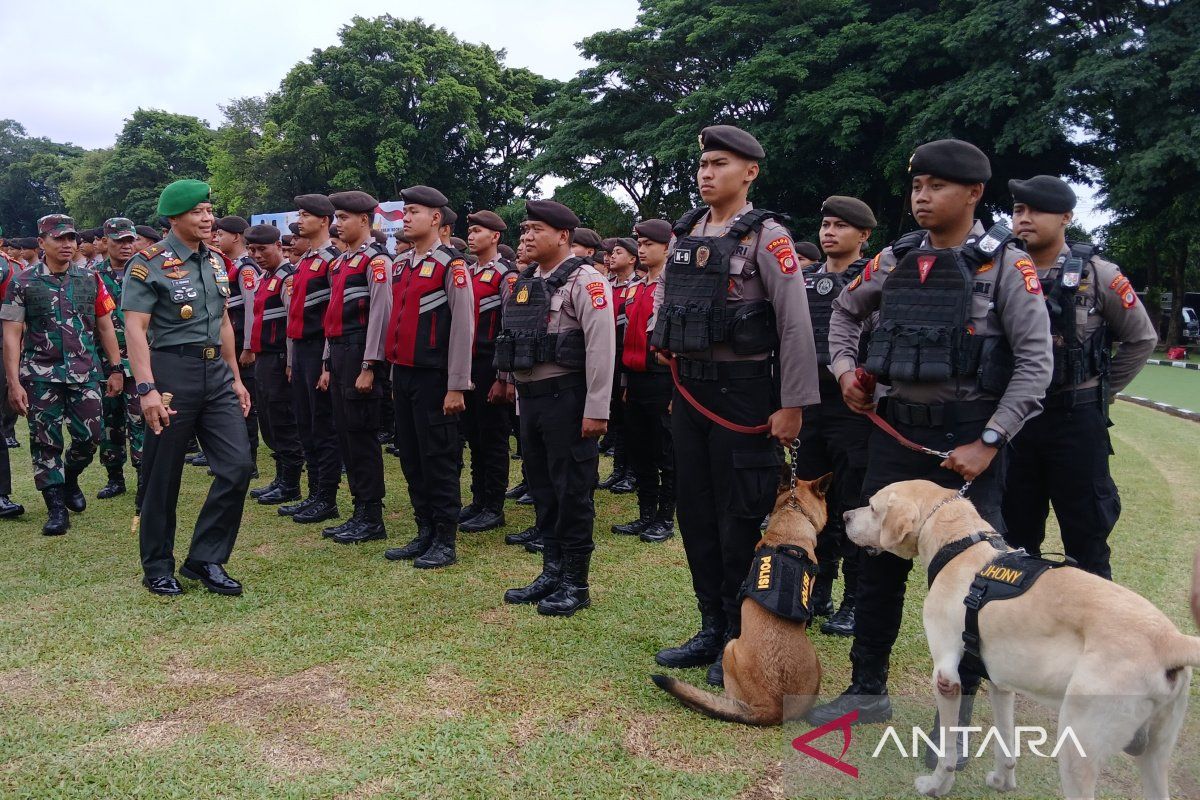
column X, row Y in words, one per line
column 60, row 310
column 9, row 267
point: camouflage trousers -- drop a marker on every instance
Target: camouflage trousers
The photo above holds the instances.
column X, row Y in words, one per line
column 50, row 406
column 122, row 421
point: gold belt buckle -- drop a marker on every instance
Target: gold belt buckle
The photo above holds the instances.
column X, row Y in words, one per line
column 210, row 353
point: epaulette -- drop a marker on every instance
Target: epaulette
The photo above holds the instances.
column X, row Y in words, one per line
column 139, row 271
column 151, row 251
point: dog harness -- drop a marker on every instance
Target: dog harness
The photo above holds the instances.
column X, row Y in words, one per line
column 781, row 580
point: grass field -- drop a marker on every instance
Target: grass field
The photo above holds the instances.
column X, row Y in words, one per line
column 339, row 674
column 1173, row 385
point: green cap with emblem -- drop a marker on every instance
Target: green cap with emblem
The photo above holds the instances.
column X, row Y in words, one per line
column 56, row 225
column 119, row 228
column 182, row 196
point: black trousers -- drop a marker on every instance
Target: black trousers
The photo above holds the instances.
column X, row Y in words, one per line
column 249, row 379
column 834, row 439
column 726, row 483
column 883, row 578
column 616, row 419
column 487, row 427
column 277, row 416
column 356, row 416
column 648, row 437
column 428, row 444
column 387, row 422
column 314, row 418
column 1061, row 458
column 560, row 465
column 207, row 407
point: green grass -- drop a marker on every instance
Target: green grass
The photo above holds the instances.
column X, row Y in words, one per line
column 339, row 674
column 1174, row 385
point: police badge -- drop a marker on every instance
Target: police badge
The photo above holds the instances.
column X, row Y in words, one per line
column 523, row 295
column 702, row 254
column 824, row 286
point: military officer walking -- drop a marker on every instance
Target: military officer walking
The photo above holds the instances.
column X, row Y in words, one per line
column 181, row 343
column 1061, row 456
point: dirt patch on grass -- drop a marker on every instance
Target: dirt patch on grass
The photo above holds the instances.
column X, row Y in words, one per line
column 264, row 549
column 641, row 741
column 769, row 787
column 376, row 787
column 287, row 755
column 17, row 684
column 496, row 616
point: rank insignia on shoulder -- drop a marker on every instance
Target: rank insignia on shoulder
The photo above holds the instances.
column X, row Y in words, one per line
column 152, row 251
column 139, row 271
column 854, row 284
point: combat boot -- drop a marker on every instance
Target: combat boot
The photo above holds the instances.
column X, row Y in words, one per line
column 867, row 694
column 572, row 593
column 270, row 487
column 821, row 601
column 416, row 547
column 9, row 509
column 115, row 485
column 527, row 535
column 441, row 552
column 58, row 521
column 842, row 621
column 616, row 476
column 636, row 527
column 322, row 507
column 716, row 672
column 72, row 495
column 701, row 649
column 663, row 527
column 347, row 526
column 544, row 584
column 369, row 528
column 287, row 487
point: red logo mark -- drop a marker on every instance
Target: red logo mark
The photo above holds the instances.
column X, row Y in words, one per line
column 924, row 264
column 842, row 723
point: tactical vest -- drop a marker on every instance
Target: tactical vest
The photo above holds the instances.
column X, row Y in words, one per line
column 694, row 314
column 310, row 295
column 487, row 285
column 523, row 340
column 350, row 277
column 270, row 314
column 636, row 354
column 419, row 328
column 781, row 580
column 822, row 288
column 44, row 334
column 1076, row 360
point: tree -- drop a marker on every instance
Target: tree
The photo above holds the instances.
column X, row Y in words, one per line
column 32, row 170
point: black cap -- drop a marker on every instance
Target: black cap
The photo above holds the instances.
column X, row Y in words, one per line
column 951, row 159
column 553, row 214
column 87, row 236
column 506, row 252
column 629, row 245
column 1044, row 193
column 656, row 230
column 424, row 196
column 294, row 227
column 457, row 243
column 316, row 204
column 355, row 202
column 231, row 224
column 487, row 219
column 26, row 243
column 449, row 217
column 288, row 240
column 146, row 232
column 733, row 139
column 586, row 237
column 379, row 236
column 808, row 250
column 262, row 234
column 850, row 209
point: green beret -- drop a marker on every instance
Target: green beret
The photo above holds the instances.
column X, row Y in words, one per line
column 1044, row 193
column 951, row 159
column 355, row 202
column 850, row 209
column 487, row 219
column 586, row 237
column 182, row 196
column 808, row 250
column 656, row 230
column 553, row 213
column 733, row 139
column 262, row 234
column 424, row 196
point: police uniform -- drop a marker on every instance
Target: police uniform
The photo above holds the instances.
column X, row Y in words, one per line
column 623, row 480
column 963, row 342
column 241, row 303
column 558, row 342
column 1061, row 456
column 8, row 269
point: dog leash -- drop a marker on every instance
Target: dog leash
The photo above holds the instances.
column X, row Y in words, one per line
column 710, row 415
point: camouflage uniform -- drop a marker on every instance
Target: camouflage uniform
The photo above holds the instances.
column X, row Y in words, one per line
column 123, row 413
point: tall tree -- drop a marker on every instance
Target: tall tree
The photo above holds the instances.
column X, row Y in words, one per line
column 32, row 171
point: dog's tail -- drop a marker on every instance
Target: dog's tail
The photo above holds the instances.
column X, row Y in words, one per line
column 1181, row 651
column 717, row 706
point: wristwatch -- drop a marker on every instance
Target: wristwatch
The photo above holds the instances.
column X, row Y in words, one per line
column 366, row 365
column 992, row 438
column 144, row 389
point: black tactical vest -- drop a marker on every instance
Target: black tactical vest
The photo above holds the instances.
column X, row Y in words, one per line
column 822, row 288
column 523, row 341
column 781, row 580
column 693, row 315
column 1075, row 360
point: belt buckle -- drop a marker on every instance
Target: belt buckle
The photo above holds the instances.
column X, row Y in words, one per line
column 210, row 353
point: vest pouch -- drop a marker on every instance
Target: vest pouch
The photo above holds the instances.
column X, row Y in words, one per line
column 695, row 334
column 569, row 350
column 879, row 351
column 525, row 353
column 934, row 358
column 503, row 358
column 752, row 329
column 995, row 365
column 903, row 363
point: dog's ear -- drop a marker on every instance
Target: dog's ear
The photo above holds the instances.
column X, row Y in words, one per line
column 899, row 520
column 821, row 484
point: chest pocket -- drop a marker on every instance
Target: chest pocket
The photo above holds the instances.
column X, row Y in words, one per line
column 182, row 291
column 39, row 303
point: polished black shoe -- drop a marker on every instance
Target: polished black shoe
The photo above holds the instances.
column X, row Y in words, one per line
column 635, row 527
column 115, row 485
column 73, row 497
column 867, row 694
column 615, row 477
column 485, row 520
column 517, row 491
column 270, row 487
column 9, row 509
column 701, row 649
column 821, row 601
column 319, row 511
column 716, row 671
column 58, row 521
column 468, row 511
column 282, row 493
column 543, row 585
column 527, row 535
column 213, row 576
column 842, row 621
column 199, row 460
column 11, row 442
column 253, row 474
column 627, row 485
column 658, row 532
column 525, row 500
column 347, row 526
column 163, row 584
column 572, row 593
column 416, row 547
column 441, row 552
column 291, row 509
column 370, row 527
column 536, row 545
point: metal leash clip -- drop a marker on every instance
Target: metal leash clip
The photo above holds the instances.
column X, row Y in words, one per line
column 963, row 491
column 794, row 450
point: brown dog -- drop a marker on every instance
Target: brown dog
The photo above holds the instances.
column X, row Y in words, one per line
column 773, row 659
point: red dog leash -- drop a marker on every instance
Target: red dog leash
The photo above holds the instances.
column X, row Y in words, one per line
column 709, row 415
column 867, row 382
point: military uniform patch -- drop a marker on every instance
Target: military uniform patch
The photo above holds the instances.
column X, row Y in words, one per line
column 778, row 243
column 139, row 272
column 787, row 261
column 1029, row 273
column 460, row 275
column 854, row 284
column 248, row 278
column 379, row 269
column 152, row 250
column 824, row 286
column 427, row 269
column 1124, row 290
column 596, row 290
column 487, row 275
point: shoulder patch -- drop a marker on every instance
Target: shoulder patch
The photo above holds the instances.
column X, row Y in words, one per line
column 379, row 270
column 511, row 278
column 459, row 273
column 779, row 242
column 854, row 284
column 787, row 260
column 249, row 278
column 1029, row 273
column 1124, row 289
column 139, row 272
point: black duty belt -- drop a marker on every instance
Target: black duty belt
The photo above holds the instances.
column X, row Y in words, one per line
column 1069, row 398
column 723, row 370
column 551, row 385
column 350, row 338
column 207, row 352
column 937, row 415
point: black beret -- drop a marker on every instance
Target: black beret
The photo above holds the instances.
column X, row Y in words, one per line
column 288, row 240
column 808, row 250
column 316, row 204
column 586, row 237
column 850, row 209
column 333, row 232
column 629, row 245
column 262, row 234
column 735, row 140
column 951, row 159
column 26, row 242
column 380, row 237
column 448, row 216
column 355, row 202
column 294, row 227
column 656, row 230
column 1045, row 193
column 507, row 252
column 458, row 244
column 147, row 232
column 231, row 224
column 424, row 196
column 87, row 236
column 487, row 219
column 553, row 214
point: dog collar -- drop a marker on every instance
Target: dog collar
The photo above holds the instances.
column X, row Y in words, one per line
column 959, row 546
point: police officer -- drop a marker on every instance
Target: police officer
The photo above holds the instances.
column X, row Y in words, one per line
column 834, row 438
column 1061, row 456
column 53, row 315
column 621, row 258
column 8, row 269
column 807, row 254
column 964, row 344
column 559, row 342
column 446, row 230
column 486, row 419
column 146, row 237
column 360, row 302
column 123, row 413
column 266, row 341
column 307, row 305
column 429, row 340
column 229, row 236
column 730, row 267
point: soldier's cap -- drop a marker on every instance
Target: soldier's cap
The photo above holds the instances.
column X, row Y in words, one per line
column 449, row 217
column 951, row 159
column 119, row 228
column 400, row 237
column 182, row 196
column 586, row 237
column 380, row 237
column 288, row 240
column 808, row 250
column 26, row 243
column 850, row 209
column 656, row 230
column 1044, row 193
column 262, row 234
column 231, row 225
column 554, row 214
column 333, row 231
column 294, row 227
column 487, row 219
column 355, row 202
column 507, row 252
column 146, row 232
column 458, row 244
column 424, row 196
column 56, row 225
column 607, row 244
column 629, row 245
column 316, row 204
column 733, row 139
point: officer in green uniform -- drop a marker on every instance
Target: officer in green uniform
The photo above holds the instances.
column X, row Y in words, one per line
column 181, row 342
column 9, row 267
column 53, row 315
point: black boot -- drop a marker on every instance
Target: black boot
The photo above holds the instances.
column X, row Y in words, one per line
column 10, row 509
column 544, row 584
column 867, row 694
column 627, row 484
column 716, row 672
column 821, row 601
column 527, row 535
column 291, row 509
column 441, row 551
column 72, row 495
column 664, row 524
column 487, row 519
column 537, row 544
column 369, row 528
column 287, row 487
column 617, row 475
column 347, row 526
column 842, row 621
column 517, row 491
column 645, row 520
column 322, row 507
column 58, row 520
column 416, row 547
column 115, row 485
column 701, row 649
column 572, row 592
column 468, row 511
column 270, row 487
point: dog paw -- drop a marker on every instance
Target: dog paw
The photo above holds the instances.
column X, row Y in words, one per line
column 934, row 785
column 1004, row 781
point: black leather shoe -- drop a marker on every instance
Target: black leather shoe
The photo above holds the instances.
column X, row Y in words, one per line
column 441, row 552
column 282, row 493
column 867, row 694
column 517, row 491
column 291, row 509
column 12, row 442
column 384, row 437
column 572, row 593
column 842, row 621
column 485, row 520
column 115, row 485
column 468, row 511
column 9, row 509
column 199, row 460
column 821, row 601
column 537, row 545
column 716, row 672
column 370, row 526
column 615, row 477
column 416, row 547
column 270, row 487
column 392, row 450
column 58, row 521
column 701, row 649
column 213, row 576
column 527, row 535
column 73, row 497
column 627, row 485
column 525, row 500
column 318, row 511
column 635, row 527
column 163, row 584
column 658, row 532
